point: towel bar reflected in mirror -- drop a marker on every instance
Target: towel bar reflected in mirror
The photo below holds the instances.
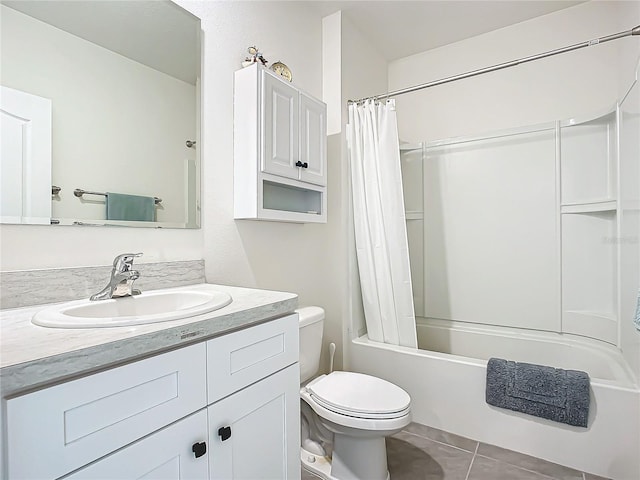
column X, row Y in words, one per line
column 78, row 192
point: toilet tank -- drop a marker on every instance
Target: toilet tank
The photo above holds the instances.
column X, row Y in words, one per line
column 311, row 323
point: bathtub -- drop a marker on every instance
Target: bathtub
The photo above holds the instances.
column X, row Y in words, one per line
column 446, row 381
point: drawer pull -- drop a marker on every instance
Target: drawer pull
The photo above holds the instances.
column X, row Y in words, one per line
column 199, row 449
column 303, row 165
column 225, row 433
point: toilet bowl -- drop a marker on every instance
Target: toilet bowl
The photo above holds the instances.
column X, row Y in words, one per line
column 345, row 415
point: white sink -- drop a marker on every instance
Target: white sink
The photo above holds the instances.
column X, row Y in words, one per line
column 148, row 307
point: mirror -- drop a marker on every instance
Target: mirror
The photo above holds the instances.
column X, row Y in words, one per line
column 100, row 98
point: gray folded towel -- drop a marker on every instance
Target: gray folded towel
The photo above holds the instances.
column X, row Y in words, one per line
column 547, row 392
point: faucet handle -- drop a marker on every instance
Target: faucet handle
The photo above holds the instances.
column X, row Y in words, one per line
column 124, row 261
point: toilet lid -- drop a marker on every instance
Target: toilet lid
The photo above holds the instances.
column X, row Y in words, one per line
column 360, row 395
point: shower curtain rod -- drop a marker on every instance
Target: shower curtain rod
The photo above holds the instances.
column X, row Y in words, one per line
column 634, row 31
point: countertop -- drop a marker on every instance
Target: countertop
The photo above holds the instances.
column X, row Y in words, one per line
column 32, row 357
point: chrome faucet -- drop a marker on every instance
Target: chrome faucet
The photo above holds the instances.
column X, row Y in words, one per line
column 122, row 278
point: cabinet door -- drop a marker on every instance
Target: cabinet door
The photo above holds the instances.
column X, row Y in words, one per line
column 279, row 127
column 255, row 433
column 313, row 140
column 167, row 454
column 77, row 422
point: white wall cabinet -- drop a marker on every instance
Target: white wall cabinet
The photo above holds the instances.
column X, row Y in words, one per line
column 279, row 119
column 165, row 410
column 280, row 150
column 313, row 140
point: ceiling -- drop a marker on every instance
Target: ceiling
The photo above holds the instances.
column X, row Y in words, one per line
column 158, row 34
column 401, row 28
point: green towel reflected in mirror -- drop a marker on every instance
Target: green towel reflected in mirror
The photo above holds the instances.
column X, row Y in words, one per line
column 130, row 207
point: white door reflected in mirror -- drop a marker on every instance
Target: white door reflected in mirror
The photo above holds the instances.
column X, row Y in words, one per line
column 25, row 157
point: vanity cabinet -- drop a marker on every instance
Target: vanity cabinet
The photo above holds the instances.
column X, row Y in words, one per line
column 224, row 408
column 280, row 149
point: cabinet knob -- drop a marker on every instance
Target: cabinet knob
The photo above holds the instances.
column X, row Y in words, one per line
column 199, row 449
column 224, row 432
column 300, row 164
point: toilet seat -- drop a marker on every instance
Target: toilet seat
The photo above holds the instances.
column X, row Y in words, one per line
column 359, row 395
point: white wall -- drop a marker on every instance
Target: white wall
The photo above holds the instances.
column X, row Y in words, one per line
column 281, row 256
column 293, row 257
column 277, row 256
column 573, row 84
column 28, row 247
column 118, row 125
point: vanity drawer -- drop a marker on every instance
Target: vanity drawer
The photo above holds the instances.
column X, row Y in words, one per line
column 239, row 359
column 59, row 429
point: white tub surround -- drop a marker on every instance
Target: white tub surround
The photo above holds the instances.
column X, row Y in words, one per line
column 523, row 246
column 448, row 392
column 34, row 356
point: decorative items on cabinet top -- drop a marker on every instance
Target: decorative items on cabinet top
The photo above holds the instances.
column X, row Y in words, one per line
column 280, row 149
column 282, row 70
column 255, row 56
column 278, row 67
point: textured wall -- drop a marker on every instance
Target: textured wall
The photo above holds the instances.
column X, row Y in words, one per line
column 36, row 287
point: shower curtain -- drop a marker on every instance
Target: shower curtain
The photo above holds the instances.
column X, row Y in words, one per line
column 379, row 220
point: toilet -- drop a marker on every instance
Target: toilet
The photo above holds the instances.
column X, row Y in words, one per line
column 344, row 416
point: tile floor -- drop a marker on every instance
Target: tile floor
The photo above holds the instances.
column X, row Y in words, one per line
column 424, row 453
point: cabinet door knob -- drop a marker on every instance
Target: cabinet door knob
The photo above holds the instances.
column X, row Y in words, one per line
column 300, row 164
column 224, row 432
column 199, row 449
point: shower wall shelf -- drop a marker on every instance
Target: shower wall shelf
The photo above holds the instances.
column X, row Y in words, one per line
column 588, row 169
column 279, row 150
column 603, row 206
column 408, row 147
column 589, row 226
column 590, row 275
column 414, row 215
